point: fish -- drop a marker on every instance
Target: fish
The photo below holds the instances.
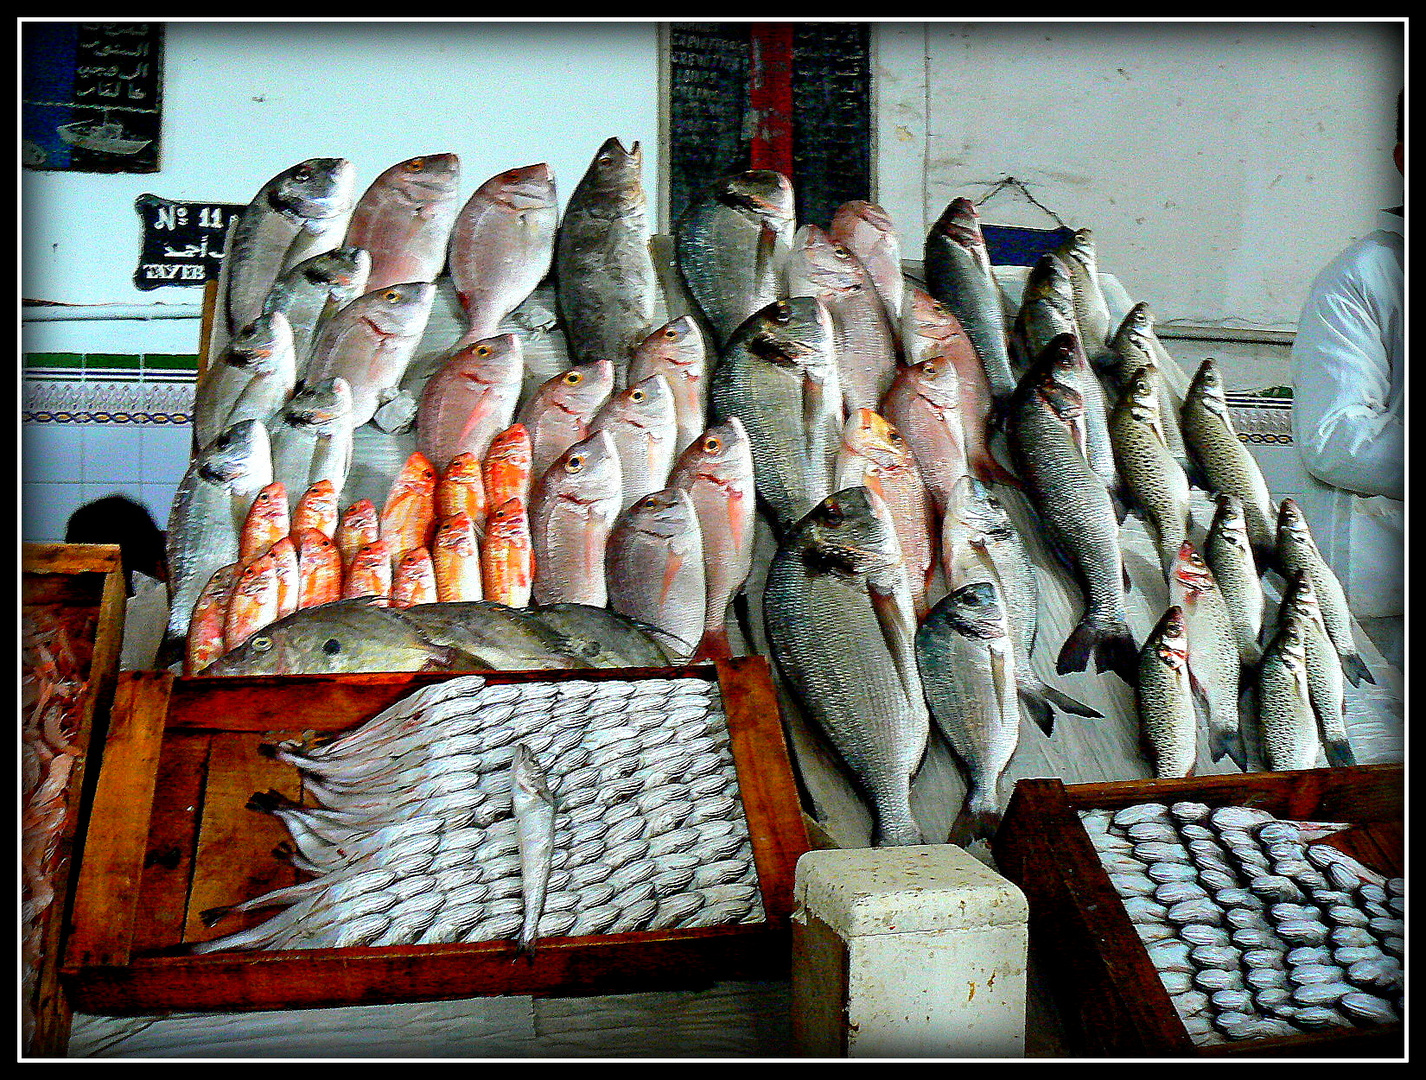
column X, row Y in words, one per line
column 1135, row 345
column 1046, row 310
column 460, row 489
column 1066, row 355
column 212, row 499
column 601, row 637
column 455, row 558
column 252, row 603
column 1229, row 555
column 502, row 245
column 1168, row 724
column 369, row 343
column 1226, row 465
column 1212, row 650
column 534, row 808
column 507, row 467
column 558, row 414
column 717, row 474
column 958, row 274
column 289, row 576
column 266, row 522
column 866, row 230
column 778, row 375
column 1324, row 670
column 408, row 519
column 1295, row 550
column 1153, row 479
column 1285, row 715
column 368, row 572
column 641, row 422
column 845, row 651
column 572, row 509
column 864, row 338
column 1090, row 310
column 965, row 654
column 1044, row 418
column 507, row 560
column 312, row 437
column 413, row 578
column 311, row 291
column 654, row 565
column 205, row 641
column 470, row 399
column 678, row 351
column 605, row 279
column 923, row 404
column 319, row 567
column 731, row 245
column 250, row 381
column 313, row 197
column 317, row 509
column 875, row 455
column 404, row 219
column 358, row 525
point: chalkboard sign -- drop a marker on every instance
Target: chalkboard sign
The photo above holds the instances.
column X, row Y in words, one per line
column 91, row 96
column 831, row 118
column 182, row 241
column 708, row 102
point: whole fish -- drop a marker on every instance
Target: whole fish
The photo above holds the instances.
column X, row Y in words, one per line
column 312, row 437
column 1066, row 355
column 867, row 231
column 319, row 567
column 1285, row 716
column 502, row 245
column 571, row 512
column 1212, row 650
column 778, row 375
column 966, row 659
column 368, row 572
column 470, row 400
column 212, row 500
column 863, row 336
column 455, row 558
column 252, row 603
column 370, row 342
column 413, row 578
column 732, row 243
column 875, row 455
column 1134, row 345
column 289, row 575
column 460, row 489
column 317, row 509
column 717, row 473
column 655, row 566
column 1154, row 480
column 958, row 274
column 506, row 470
column 677, row 351
column 358, row 525
column 1225, row 463
column 1229, row 555
column 604, row 274
column 314, row 197
column 1324, row 670
column 847, row 654
column 924, row 405
column 643, row 426
column 408, row 519
column 1043, row 420
column 266, row 522
column 313, row 290
column 205, row 641
column 1295, row 551
column 1168, row 724
column 601, row 637
column 1091, row 311
column 507, row 561
column 404, row 219
column 250, row 381
column 534, row 808
column 558, row 414
column 1046, row 310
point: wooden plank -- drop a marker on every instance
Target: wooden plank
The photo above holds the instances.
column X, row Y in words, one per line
column 45, row 558
column 205, row 327
column 172, row 839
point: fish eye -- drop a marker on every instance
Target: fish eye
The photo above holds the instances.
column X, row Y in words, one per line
column 894, row 437
column 782, row 313
column 261, row 644
column 637, row 396
column 670, row 333
column 833, row 516
column 331, row 646
column 391, row 296
column 841, row 253
column 712, row 444
column 414, row 164
column 482, row 350
column 302, row 173
column 575, row 463
column 573, row 378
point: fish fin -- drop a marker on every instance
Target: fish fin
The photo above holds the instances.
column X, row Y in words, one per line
column 990, row 471
column 1124, row 568
column 1339, row 752
column 979, row 819
column 713, row 646
column 1074, row 654
column 1356, row 670
column 1113, row 649
column 1067, row 704
column 1038, row 709
column 1222, row 741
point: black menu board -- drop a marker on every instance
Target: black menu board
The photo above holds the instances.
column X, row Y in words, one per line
column 707, row 101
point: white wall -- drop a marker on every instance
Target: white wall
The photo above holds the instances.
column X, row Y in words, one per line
column 1219, row 164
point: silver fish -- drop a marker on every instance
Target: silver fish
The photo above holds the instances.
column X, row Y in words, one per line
column 1286, row 717
column 1046, row 310
column 312, row 438
column 1295, row 550
column 534, row 809
column 1229, row 555
column 1091, row 311
column 958, row 274
column 678, row 351
column 1168, row 724
column 1133, row 346
column 867, row 231
column 313, row 290
column 1155, row 481
column 1212, row 651
column 250, row 381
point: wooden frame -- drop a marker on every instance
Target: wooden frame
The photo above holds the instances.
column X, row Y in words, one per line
column 182, row 763
column 1109, row 995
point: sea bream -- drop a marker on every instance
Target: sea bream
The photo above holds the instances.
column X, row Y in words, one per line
column 844, row 650
column 655, row 566
column 250, row 381
column 559, row 413
column 867, row 231
column 470, row 399
column 924, row 405
column 572, row 509
column 958, row 274
column 312, row 437
column 404, row 219
column 678, row 352
column 643, row 424
column 1295, row 551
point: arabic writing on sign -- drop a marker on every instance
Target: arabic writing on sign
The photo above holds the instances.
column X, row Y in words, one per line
column 182, row 242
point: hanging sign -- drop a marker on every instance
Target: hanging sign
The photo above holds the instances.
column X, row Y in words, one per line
column 182, row 242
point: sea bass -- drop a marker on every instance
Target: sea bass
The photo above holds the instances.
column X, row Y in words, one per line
column 643, row 426
column 1155, row 481
column 250, row 381
column 470, row 399
column 1168, row 724
column 1324, row 670
column 404, row 219
column 571, row 512
column 1046, row 310
column 1295, row 551
column 866, row 230
column 1285, row 716
column 846, row 652
column 678, row 352
column 558, row 414
column 1134, row 345
column 312, row 437
column 1091, row 311
column 655, row 566
column 958, row 274
column 1212, row 650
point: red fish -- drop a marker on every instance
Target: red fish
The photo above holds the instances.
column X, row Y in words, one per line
column 507, row 467
column 409, row 518
column 455, row 558
column 368, row 572
column 507, row 559
column 414, row 579
column 266, row 522
column 317, row 509
column 319, row 568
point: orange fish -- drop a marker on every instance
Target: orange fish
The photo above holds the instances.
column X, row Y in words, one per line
column 507, row 558
column 461, row 490
column 319, row 568
column 205, row 628
column 368, row 572
column 358, row 526
column 414, row 579
column 317, row 509
column 266, row 521
column 254, row 601
column 507, row 466
column 409, row 518
column 289, row 578
column 455, row 557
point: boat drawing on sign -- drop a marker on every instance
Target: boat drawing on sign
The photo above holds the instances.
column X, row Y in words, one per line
column 104, row 136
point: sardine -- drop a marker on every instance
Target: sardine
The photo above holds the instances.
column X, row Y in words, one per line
column 250, row 381
column 404, row 220
column 1229, row 555
column 867, row 231
column 642, row 423
column 655, row 565
column 1295, row 551
column 1168, row 725
column 678, row 352
column 313, row 290
column 571, row 512
column 958, row 274
column 471, row 399
column 1212, row 651
column 534, row 809
column 559, row 413
column 1155, row 481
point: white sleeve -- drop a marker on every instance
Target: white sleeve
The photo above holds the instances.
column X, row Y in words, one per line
column 1345, row 433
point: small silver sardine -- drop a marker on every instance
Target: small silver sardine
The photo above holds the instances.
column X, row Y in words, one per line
column 534, row 808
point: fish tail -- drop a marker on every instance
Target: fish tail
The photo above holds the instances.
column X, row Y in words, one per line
column 1356, row 670
column 1112, row 646
column 1339, row 752
column 713, row 646
column 1227, row 740
column 1067, row 704
column 979, row 819
column 898, row 833
column 1039, row 709
column 212, row 916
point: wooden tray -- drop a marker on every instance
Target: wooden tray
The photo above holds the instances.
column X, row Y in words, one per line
column 84, row 579
column 172, row 837
column 1097, row 969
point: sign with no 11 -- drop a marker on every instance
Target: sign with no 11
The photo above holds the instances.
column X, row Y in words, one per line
column 182, row 242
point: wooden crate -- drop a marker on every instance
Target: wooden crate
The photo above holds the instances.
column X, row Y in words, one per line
column 83, row 582
column 172, row 838
column 1097, row 969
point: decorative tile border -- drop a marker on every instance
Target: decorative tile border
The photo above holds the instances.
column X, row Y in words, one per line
column 1264, row 417
column 107, row 401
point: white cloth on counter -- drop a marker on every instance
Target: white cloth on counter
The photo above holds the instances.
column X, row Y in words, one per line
column 145, row 618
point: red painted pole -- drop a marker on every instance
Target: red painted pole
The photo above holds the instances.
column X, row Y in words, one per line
column 770, row 97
